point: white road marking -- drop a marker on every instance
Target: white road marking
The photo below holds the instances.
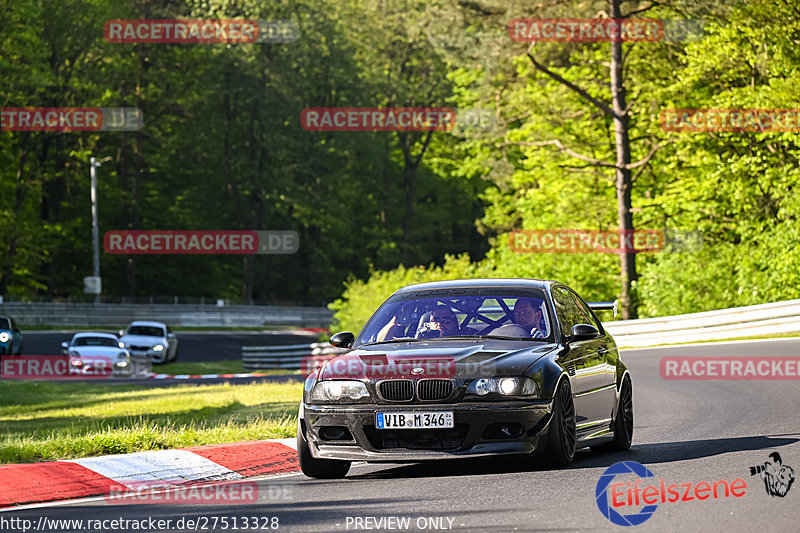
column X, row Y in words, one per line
column 135, row 470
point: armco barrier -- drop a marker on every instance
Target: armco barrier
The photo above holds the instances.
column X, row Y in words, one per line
column 176, row 315
column 286, row 357
column 763, row 319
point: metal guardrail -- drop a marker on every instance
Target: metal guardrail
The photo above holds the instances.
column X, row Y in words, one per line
column 778, row 317
column 176, row 315
column 287, row 357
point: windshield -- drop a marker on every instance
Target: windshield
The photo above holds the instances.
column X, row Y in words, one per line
column 147, row 331
column 502, row 314
column 95, row 341
column 5, row 324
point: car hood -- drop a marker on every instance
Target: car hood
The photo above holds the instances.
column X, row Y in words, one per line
column 142, row 340
column 438, row 359
column 95, row 351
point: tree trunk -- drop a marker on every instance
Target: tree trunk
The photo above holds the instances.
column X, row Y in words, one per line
column 623, row 180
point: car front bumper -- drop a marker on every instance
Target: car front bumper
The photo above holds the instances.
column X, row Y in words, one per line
column 155, row 357
column 478, row 431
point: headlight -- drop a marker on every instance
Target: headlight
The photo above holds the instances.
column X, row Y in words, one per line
column 4, row 337
column 121, row 344
column 76, row 362
column 158, row 347
column 121, row 364
column 331, row 391
column 504, row 386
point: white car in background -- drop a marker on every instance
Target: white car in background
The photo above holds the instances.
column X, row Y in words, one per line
column 154, row 339
column 102, row 355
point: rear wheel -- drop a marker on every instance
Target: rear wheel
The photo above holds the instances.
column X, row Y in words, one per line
column 561, row 438
column 318, row 468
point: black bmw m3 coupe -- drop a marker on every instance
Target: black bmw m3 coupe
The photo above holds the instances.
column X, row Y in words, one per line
column 468, row 368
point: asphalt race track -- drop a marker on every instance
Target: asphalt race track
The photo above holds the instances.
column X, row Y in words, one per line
column 193, row 346
column 685, row 432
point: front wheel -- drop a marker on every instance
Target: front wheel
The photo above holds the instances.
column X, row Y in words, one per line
column 623, row 425
column 561, row 437
column 318, row 468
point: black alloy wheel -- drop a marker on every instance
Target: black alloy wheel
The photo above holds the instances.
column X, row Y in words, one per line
column 561, row 437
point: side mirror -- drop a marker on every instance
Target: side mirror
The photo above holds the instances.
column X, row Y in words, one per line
column 583, row 332
column 343, row 339
column 65, row 345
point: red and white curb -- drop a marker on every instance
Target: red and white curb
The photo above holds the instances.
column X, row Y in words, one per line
column 97, row 476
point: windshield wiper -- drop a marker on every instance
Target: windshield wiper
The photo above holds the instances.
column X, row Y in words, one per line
column 502, row 337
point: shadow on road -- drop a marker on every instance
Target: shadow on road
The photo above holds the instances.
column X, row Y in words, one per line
column 665, row 452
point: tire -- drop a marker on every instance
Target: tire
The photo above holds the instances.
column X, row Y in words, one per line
column 175, row 354
column 561, row 437
column 318, row 468
column 623, row 424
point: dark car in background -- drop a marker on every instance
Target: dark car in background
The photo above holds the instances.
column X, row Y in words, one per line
column 10, row 336
column 468, row 368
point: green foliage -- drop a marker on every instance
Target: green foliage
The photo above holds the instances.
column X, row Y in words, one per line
column 738, row 189
column 361, row 298
column 222, row 148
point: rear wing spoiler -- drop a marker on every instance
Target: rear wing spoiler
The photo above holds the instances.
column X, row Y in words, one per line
column 604, row 306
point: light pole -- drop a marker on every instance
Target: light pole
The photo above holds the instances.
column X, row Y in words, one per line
column 95, row 239
column 93, row 165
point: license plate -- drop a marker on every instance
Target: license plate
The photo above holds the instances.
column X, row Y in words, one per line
column 418, row 420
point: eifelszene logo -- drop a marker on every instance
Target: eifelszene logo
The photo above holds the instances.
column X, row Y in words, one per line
column 613, row 498
column 778, row 477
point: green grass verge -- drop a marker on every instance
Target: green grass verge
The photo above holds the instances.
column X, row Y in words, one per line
column 212, row 367
column 42, row 421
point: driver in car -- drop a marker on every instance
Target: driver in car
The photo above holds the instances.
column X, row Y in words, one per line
column 528, row 315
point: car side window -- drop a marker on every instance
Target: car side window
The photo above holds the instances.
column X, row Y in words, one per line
column 569, row 314
column 586, row 313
